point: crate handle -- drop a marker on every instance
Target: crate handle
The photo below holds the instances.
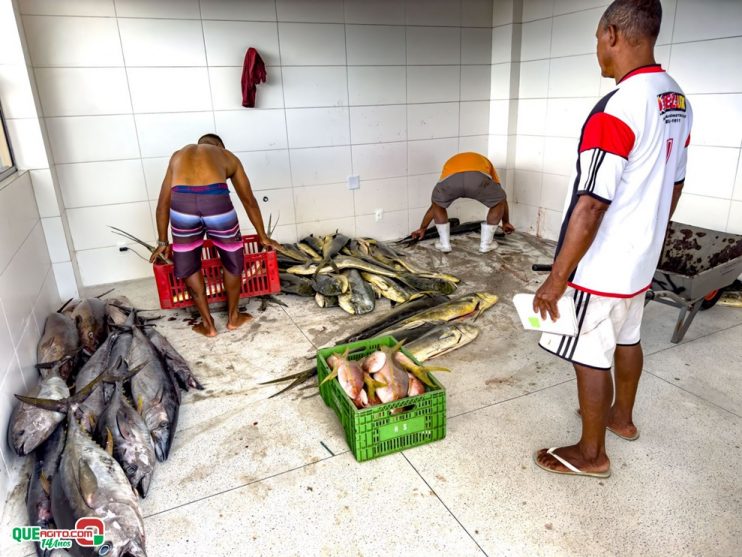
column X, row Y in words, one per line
column 406, row 409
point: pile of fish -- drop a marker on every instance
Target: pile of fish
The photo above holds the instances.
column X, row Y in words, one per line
column 429, row 327
column 354, row 272
column 95, row 450
column 385, row 375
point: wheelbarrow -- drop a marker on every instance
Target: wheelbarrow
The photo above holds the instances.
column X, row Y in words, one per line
column 695, row 267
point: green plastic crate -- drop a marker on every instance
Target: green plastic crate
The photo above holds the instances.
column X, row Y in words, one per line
column 375, row 431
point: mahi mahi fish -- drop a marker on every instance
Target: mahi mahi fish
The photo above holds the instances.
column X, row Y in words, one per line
column 441, row 340
column 360, row 297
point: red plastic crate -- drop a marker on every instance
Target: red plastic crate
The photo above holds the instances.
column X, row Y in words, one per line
column 260, row 276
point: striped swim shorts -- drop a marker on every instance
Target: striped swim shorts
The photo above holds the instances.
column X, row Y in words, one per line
column 195, row 210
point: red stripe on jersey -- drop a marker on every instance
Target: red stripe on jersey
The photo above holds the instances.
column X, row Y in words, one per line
column 607, row 294
column 687, row 141
column 652, row 68
column 606, row 132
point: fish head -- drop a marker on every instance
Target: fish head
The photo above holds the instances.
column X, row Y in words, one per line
column 119, row 544
column 161, row 437
column 485, row 300
column 468, row 332
column 374, row 361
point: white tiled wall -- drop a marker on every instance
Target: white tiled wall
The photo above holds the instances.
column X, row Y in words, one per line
column 380, row 88
column 387, row 90
column 559, row 82
column 28, row 292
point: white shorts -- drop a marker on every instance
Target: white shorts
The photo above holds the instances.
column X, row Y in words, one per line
column 603, row 323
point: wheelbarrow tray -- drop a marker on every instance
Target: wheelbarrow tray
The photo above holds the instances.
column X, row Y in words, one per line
column 695, row 262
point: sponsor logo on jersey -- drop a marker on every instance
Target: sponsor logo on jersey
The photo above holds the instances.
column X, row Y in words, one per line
column 667, row 102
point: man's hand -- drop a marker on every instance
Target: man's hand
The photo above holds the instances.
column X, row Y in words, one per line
column 159, row 252
column 418, row 234
column 268, row 243
column 546, row 298
column 507, row 228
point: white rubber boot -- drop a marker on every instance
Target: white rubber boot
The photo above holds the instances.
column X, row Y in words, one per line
column 444, row 237
column 487, row 242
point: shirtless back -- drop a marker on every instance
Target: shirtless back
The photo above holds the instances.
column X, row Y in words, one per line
column 199, row 165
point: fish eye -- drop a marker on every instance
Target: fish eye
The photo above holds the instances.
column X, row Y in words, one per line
column 104, row 549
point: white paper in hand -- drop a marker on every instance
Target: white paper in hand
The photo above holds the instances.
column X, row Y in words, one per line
column 565, row 325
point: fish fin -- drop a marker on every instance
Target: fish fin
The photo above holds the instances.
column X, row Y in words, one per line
column 45, row 483
column 87, row 483
column 298, row 381
column 91, row 421
column 435, row 368
column 123, row 425
column 109, row 442
column 140, row 404
column 45, row 403
column 64, row 305
column 333, row 374
column 422, row 374
column 305, row 373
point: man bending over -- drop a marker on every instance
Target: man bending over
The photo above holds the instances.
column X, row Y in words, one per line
column 195, row 197
column 467, row 175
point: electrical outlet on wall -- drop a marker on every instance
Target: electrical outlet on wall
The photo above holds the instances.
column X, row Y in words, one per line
column 354, row 182
column 378, row 214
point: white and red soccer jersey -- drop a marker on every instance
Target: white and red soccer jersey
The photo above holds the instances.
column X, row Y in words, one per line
column 632, row 150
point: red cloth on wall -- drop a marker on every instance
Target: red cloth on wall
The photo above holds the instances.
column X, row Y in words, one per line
column 253, row 72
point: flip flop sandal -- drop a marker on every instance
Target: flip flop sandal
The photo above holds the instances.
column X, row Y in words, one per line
column 613, row 431
column 571, row 469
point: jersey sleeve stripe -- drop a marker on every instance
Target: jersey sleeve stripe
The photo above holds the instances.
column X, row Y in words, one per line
column 687, row 141
column 594, row 196
column 605, row 131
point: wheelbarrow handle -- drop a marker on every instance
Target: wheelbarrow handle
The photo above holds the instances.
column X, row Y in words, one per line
column 541, row 267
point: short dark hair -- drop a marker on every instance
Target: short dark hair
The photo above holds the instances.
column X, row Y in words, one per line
column 211, row 136
column 636, row 19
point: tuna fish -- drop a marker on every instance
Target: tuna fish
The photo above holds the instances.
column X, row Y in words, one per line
column 29, row 425
column 38, row 495
column 121, row 426
column 155, row 394
column 90, row 319
column 90, row 483
column 60, row 343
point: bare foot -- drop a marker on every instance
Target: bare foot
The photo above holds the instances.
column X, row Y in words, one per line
column 624, row 428
column 573, row 455
column 237, row 321
column 205, row 330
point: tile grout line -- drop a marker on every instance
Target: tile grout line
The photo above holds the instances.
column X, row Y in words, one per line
column 695, row 395
column 205, row 497
column 347, row 107
column 692, row 340
column 208, row 73
column 443, row 503
column 453, row 416
column 151, row 212
column 299, row 328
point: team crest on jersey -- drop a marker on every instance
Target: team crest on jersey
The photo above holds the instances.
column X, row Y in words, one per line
column 667, row 102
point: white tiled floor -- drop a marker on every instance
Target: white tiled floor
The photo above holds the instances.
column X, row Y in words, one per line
column 287, row 482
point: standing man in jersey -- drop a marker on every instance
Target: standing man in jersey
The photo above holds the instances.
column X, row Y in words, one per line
column 195, row 197
column 630, row 173
column 467, row 175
